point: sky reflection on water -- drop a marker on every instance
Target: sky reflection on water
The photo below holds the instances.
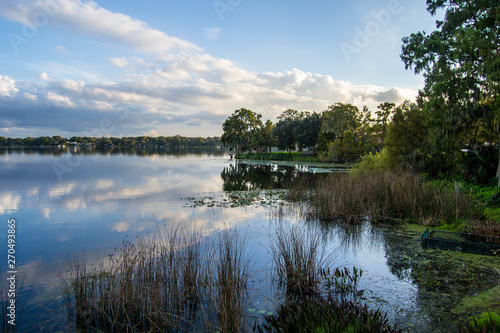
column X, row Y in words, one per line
column 107, row 197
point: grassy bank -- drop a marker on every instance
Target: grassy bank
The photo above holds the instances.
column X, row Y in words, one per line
column 280, row 156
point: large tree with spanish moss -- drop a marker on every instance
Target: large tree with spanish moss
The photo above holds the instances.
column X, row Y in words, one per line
column 460, row 61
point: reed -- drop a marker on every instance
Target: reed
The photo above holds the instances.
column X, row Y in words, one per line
column 299, row 259
column 326, row 314
column 385, row 195
column 233, row 271
column 177, row 282
column 490, row 229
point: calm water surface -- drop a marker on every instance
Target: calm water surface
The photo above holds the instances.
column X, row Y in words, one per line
column 70, row 203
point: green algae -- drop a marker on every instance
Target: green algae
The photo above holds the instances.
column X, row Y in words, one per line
column 486, row 301
column 452, row 286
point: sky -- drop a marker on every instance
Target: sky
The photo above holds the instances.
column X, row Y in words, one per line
column 181, row 67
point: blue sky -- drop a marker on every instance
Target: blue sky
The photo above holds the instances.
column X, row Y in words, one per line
column 167, row 67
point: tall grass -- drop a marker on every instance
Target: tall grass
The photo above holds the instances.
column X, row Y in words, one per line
column 326, row 314
column 299, row 259
column 384, row 195
column 176, row 282
column 233, row 272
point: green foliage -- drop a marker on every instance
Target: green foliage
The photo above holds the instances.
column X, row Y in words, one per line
column 340, row 118
column 384, row 113
column 343, row 150
column 284, row 131
column 339, row 140
column 307, row 130
column 343, row 281
column 487, row 322
column 239, row 129
column 375, row 162
column 462, row 76
column 479, row 164
column 407, row 143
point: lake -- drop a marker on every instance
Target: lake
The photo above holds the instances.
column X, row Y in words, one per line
column 78, row 202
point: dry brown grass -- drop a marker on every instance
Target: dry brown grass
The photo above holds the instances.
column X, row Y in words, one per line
column 176, row 282
column 299, row 259
column 383, row 196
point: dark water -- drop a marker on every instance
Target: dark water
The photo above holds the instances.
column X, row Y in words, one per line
column 73, row 202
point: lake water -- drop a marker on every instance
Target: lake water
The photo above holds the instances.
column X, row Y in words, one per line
column 74, row 202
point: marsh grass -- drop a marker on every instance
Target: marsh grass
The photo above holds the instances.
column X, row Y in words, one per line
column 178, row 282
column 233, row 271
column 300, row 259
column 487, row 322
column 385, row 195
column 488, row 228
column 326, row 314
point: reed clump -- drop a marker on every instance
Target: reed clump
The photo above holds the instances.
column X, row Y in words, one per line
column 385, row 195
column 326, row 314
column 177, row 282
column 300, row 260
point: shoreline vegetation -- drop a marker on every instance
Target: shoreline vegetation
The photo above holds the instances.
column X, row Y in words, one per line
column 182, row 281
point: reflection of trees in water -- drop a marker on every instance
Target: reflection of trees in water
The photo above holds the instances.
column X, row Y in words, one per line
column 130, row 151
column 352, row 236
column 244, row 177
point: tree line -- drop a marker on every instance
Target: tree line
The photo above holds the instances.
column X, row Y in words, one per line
column 341, row 133
column 139, row 141
column 452, row 129
column 402, row 135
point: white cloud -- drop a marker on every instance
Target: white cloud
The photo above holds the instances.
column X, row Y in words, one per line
column 119, row 62
column 152, row 133
column 7, row 87
column 44, row 77
column 87, row 17
column 58, row 100
column 212, row 33
column 175, row 85
column 61, row 49
column 29, row 96
column 46, row 212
